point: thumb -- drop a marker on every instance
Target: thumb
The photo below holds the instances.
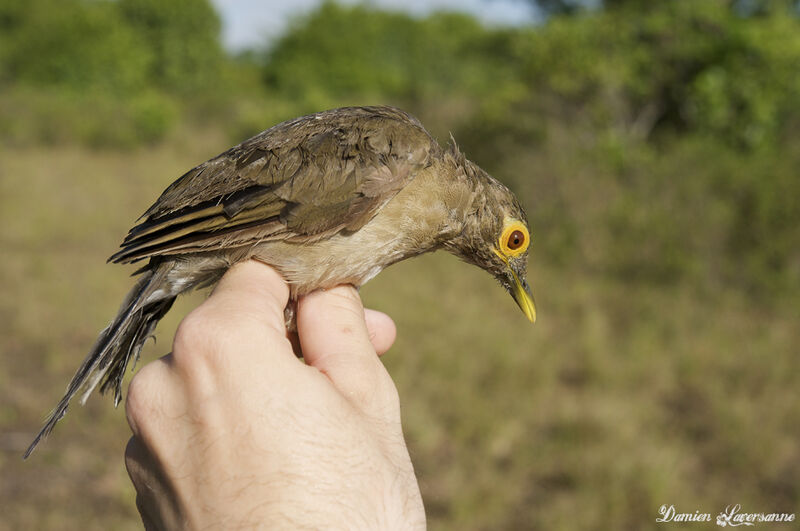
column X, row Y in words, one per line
column 335, row 340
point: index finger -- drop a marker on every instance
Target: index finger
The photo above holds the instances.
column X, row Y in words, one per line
column 237, row 333
column 254, row 289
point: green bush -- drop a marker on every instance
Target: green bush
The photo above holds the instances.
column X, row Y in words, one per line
column 183, row 38
column 685, row 67
column 95, row 118
column 72, row 44
column 356, row 53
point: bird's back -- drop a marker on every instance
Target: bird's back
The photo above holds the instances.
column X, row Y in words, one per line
column 300, row 180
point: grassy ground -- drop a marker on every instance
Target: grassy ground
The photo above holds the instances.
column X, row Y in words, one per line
column 623, row 396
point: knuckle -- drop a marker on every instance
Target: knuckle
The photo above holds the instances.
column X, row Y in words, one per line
column 195, row 332
column 356, row 383
column 360, row 393
column 208, row 343
column 369, row 385
column 206, row 337
column 140, row 405
column 202, row 339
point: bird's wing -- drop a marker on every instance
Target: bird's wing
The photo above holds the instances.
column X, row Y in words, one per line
column 301, row 180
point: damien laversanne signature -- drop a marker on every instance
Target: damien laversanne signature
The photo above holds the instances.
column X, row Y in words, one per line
column 731, row 516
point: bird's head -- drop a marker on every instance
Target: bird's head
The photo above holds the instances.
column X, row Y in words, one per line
column 495, row 236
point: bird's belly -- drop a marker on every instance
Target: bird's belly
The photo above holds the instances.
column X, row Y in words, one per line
column 324, row 264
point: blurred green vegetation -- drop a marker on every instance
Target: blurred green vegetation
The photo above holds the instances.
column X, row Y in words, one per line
column 654, row 144
column 686, row 115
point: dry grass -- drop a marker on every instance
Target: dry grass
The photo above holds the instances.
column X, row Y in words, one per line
column 622, row 398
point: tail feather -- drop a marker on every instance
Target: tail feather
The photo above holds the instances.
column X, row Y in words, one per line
column 122, row 340
column 140, row 331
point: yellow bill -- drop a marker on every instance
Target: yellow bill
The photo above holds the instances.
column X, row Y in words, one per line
column 524, row 298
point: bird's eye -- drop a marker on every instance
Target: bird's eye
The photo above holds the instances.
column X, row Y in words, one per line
column 515, row 240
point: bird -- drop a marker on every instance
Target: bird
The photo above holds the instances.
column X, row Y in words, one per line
column 326, row 199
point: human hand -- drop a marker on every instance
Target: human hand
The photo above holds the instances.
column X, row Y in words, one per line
column 231, row 430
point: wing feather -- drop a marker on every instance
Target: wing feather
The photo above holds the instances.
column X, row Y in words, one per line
column 301, row 180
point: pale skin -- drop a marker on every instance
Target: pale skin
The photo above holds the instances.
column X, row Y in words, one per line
column 233, row 431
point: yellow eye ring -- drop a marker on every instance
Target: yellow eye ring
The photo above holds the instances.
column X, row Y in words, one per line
column 515, row 239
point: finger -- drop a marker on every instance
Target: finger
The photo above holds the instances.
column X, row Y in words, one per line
column 244, row 313
column 335, row 340
column 155, row 500
column 153, row 393
column 252, row 289
column 141, row 469
column 382, row 330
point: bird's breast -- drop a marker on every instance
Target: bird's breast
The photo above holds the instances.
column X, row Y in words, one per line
column 352, row 259
column 411, row 223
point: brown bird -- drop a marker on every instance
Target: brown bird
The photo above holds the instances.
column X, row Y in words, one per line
column 326, row 199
